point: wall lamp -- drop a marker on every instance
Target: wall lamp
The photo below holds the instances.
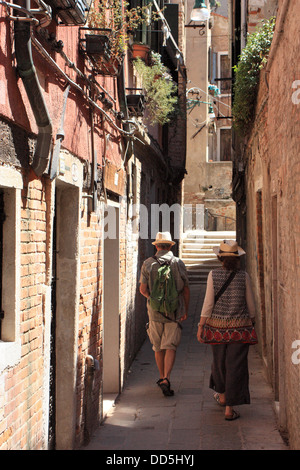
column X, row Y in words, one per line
column 200, row 11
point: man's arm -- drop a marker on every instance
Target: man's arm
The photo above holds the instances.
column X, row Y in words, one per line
column 186, row 298
column 144, row 290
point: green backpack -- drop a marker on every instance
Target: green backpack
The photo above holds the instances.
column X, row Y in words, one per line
column 164, row 295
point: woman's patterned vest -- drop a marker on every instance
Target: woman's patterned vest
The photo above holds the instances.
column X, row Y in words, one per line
column 231, row 305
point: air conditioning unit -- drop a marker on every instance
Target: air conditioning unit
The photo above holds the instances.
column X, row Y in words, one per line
column 71, row 12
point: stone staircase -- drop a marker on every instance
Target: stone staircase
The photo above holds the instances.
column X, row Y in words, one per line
column 197, row 254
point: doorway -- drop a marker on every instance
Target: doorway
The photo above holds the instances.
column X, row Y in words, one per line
column 275, row 297
column 111, row 305
column 278, row 347
column 261, row 268
column 64, row 318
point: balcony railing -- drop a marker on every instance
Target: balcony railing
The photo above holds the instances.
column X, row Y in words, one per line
column 70, row 12
column 218, row 222
column 222, row 104
column 100, row 46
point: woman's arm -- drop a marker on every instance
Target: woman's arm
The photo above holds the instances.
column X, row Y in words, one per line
column 208, row 305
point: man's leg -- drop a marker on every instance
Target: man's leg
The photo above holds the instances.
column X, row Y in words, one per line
column 169, row 362
column 165, row 360
column 160, row 362
column 169, row 337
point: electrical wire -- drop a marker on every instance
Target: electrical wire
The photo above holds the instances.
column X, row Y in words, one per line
column 210, row 96
column 51, row 61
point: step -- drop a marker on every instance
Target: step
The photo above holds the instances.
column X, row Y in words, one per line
column 200, row 256
column 198, row 247
column 209, row 235
column 197, row 253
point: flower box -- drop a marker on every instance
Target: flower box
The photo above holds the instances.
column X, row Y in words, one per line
column 135, row 104
column 98, row 45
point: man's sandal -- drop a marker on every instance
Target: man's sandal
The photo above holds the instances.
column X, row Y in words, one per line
column 165, row 387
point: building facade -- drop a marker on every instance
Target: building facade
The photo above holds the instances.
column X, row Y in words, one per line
column 208, row 184
column 80, row 166
column 266, row 190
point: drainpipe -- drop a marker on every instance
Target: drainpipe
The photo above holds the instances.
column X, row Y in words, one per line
column 94, row 178
column 33, row 89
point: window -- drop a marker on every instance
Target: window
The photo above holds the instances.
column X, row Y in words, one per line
column 224, row 73
column 224, row 144
column 143, row 33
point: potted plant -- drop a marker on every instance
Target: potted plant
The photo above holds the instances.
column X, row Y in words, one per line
column 140, row 51
column 159, row 88
column 114, row 19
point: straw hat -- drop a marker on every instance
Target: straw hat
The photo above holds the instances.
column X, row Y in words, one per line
column 229, row 248
column 163, row 238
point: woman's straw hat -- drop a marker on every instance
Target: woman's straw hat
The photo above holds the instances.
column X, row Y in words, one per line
column 229, row 248
column 163, row 238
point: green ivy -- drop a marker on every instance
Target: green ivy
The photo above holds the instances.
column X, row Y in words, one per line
column 253, row 58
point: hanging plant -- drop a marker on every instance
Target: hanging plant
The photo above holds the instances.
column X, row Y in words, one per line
column 247, row 72
column 213, row 90
column 121, row 20
column 159, row 88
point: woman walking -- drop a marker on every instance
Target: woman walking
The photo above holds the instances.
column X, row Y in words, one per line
column 227, row 322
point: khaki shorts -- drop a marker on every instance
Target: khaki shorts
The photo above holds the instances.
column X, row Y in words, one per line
column 164, row 335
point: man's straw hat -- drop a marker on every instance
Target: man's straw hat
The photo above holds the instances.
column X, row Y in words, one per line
column 163, row 238
column 229, row 248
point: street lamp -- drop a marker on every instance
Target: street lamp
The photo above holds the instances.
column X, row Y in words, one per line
column 200, row 11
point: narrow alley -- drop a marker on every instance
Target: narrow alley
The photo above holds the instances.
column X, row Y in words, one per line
column 143, row 419
column 121, row 120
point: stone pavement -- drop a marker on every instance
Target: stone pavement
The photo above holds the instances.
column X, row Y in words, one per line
column 143, row 419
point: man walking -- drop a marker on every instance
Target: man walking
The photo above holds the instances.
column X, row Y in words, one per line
column 165, row 327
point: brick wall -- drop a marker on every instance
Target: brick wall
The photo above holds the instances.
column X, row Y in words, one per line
column 272, row 192
column 22, row 387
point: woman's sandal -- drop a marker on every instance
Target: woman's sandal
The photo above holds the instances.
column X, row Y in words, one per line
column 165, row 387
column 233, row 416
column 217, row 398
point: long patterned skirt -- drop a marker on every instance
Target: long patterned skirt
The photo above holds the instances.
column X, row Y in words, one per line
column 229, row 373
